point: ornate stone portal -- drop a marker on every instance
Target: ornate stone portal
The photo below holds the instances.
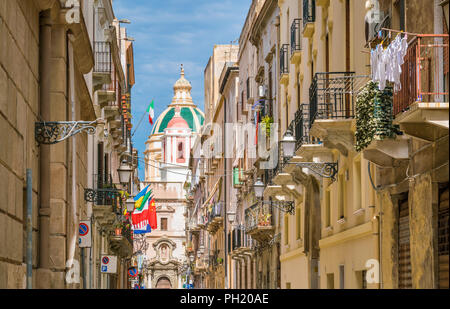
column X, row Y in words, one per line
column 164, row 267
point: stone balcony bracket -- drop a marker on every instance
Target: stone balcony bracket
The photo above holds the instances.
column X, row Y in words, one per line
column 388, row 152
column 425, row 121
column 100, row 79
column 335, row 134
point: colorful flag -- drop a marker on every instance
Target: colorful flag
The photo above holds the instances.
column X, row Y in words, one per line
column 145, row 199
column 153, row 219
column 142, row 197
column 141, row 194
column 140, row 220
column 151, row 112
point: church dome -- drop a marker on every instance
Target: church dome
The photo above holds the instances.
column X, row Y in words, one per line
column 182, row 100
column 178, row 122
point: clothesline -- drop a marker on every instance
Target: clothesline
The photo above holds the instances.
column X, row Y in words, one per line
column 399, row 31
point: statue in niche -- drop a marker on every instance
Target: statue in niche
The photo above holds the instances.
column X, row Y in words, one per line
column 164, row 253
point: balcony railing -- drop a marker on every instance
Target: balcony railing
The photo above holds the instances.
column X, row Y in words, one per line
column 300, row 127
column 309, row 11
column 215, row 217
column 103, row 184
column 270, row 174
column 284, row 59
column 258, row 216
column 216, row 212
column 103, row 59
column 332, row 95
column 425, row 73
column 128, row 234
column 296, row 35
column 241, row 241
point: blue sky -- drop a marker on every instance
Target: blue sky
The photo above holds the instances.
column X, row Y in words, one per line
column 168, row 33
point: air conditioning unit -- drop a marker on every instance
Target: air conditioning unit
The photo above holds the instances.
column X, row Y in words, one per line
column 375, row 19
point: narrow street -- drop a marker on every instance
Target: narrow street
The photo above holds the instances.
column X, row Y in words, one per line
column 224, row 145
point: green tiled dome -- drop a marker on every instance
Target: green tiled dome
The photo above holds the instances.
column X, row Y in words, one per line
column 193, row 116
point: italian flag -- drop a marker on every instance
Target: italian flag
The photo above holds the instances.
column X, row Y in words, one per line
column 151, row 112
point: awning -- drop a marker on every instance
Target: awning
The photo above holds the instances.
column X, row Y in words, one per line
column 216, row 187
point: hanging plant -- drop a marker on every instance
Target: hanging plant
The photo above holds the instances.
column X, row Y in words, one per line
column 266, row 124
column 374, row 116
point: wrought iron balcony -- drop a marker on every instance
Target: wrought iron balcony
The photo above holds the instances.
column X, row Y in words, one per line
column 300, row 127
column 215, row 217
column 241, row 242
column 309, row 11
column 284, row 59
column 424, row 72
column 259, row 221
column 104, row 192
column 296, row 36
column 332, row 95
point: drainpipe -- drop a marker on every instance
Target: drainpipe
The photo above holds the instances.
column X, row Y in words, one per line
column 45, row 39
column 377, row 226
column 225, row 192
column 29, row 229
column 72, row 231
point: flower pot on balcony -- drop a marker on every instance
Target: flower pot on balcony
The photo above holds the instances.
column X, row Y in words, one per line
column 118, row 232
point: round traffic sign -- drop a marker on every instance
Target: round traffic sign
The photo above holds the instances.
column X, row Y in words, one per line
column 105, row 260
column 83, row 229
column 132, row 272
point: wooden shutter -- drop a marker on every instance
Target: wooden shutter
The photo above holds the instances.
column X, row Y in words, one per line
column 404, row 253
column 443, row 239
column 99, row 164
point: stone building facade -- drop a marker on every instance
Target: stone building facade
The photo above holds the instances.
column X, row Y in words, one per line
column 48, row 73
column 382, row 220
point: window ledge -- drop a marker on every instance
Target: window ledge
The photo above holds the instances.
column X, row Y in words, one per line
column 359, row 212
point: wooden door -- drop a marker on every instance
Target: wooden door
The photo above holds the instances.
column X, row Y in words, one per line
column 443, row 239
column 163, row 283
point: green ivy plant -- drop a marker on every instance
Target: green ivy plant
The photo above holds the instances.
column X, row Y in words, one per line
column 374, row 115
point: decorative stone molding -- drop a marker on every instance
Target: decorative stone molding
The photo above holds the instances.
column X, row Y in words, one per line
column 45, row 4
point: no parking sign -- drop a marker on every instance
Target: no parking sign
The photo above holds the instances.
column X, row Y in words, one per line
column 132, row 272
column 108, row 264
column 84, row 232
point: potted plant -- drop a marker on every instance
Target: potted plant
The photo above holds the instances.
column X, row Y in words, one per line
column 118, row 228
column 265, row 124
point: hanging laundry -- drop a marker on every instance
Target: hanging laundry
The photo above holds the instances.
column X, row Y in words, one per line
column 386, row 64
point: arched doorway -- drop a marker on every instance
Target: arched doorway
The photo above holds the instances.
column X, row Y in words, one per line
column 163, row 283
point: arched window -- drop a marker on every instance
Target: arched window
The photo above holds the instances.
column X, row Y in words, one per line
column 180, row 153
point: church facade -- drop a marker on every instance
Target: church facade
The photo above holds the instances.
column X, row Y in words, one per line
column 166, row 167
